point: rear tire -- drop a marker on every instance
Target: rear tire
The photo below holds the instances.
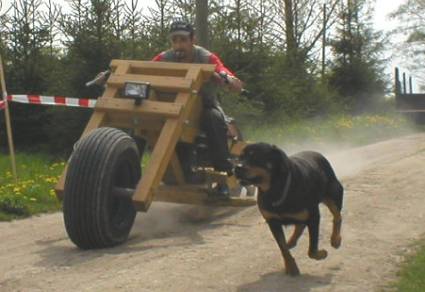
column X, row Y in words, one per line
column 94, row 217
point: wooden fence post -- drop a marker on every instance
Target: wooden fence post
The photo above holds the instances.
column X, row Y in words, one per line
column 8, row 124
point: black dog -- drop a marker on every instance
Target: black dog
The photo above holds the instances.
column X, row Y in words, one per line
column 290, row 190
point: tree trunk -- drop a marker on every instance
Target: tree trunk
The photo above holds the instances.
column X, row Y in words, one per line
column 291, row 43
column 202, row 22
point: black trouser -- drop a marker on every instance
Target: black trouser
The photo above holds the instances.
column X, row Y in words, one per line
column 215, row 127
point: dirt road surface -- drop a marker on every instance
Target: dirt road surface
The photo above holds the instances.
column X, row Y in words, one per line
column 183, row 248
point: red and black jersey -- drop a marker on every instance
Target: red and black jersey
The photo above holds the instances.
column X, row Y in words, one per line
column 209, row 90
column 201, row 56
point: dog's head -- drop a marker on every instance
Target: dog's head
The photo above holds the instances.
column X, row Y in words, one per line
column 259, row 163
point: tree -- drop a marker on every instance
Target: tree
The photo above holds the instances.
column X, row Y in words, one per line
column 300, row 24
column 357, row 71
column 24, row 38
column 159, row 19
column 411, row 16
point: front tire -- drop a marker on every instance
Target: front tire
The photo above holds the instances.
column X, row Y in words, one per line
column 103, row 160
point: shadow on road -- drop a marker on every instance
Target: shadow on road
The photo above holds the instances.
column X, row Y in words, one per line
column 174, row 225
column 279, row 281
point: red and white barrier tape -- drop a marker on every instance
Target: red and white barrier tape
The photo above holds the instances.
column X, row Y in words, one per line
column 52, row 100
column 2, row 104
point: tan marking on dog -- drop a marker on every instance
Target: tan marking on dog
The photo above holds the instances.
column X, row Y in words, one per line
column 337, row 222
column 264, row 186
column 300, row 216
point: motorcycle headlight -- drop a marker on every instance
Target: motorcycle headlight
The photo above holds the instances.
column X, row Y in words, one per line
column 137, row 90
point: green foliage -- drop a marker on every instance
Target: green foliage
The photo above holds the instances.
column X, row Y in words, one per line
column 33, row 193
column 357, row 71
column 411, row 275
column 341, row 130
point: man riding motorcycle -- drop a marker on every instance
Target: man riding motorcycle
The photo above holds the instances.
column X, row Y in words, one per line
column 214, row 120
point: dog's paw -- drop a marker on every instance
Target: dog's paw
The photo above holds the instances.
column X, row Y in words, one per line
column 292, row 271
column 291, row 268
column 336, row 241
column 319, row 255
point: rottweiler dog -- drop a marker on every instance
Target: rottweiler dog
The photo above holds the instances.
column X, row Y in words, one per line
column 290, row 190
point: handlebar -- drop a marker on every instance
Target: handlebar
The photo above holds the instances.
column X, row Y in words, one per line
column 98, row 78
column 105, row 75
column 225, row 77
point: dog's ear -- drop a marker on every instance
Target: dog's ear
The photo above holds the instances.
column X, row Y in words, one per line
column 278, row 153
column 280, row 158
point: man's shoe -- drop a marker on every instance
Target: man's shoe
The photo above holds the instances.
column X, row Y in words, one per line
column 220, row 192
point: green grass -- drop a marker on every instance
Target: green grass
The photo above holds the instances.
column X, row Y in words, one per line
column 411, row 276
column 33, row 193
column 341, row 130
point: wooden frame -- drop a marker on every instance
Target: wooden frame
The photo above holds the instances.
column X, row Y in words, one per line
column 163, row 124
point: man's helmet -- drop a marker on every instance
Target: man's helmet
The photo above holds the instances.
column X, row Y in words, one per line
column 181, row 27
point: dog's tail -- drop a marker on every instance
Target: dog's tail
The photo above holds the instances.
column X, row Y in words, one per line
column 335, row 189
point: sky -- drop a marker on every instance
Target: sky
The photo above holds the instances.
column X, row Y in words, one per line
column 381, row 22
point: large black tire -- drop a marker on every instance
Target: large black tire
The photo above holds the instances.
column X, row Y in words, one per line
column 94, row 217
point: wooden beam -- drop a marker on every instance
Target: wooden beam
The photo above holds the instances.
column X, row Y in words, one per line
column 166, row 143
column 161, row 83
column 198, row 195
column 189, row 194
column 147, row 108
column 162, row 66
column 161, row 155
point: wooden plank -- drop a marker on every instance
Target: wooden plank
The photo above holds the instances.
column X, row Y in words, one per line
column 162, row 66
column 147, row 108
column 195, row 73
column 197, row 195
column 191, row 127
column 159, row 72
column 161, row 83
column 161, row 155
column 166, row 144
column 60, row 185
